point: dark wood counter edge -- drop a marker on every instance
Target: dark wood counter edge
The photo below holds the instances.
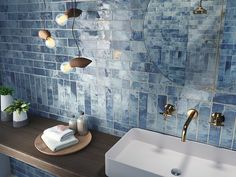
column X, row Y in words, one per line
column 41, row 163
column 36, row 162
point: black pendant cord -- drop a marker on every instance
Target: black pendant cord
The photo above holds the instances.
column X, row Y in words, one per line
column 200, row 3
column 73, row 27
column 44, row 18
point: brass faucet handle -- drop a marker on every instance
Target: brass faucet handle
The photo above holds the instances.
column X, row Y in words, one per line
column 169, row 110
column 193, row 113
column 217, row 119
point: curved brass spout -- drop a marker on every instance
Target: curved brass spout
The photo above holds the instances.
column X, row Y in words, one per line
column 192, row 114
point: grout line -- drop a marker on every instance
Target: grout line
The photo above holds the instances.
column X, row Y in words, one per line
column 209, row 126
column 221, row 130
column 220, row 138
column 234, row 134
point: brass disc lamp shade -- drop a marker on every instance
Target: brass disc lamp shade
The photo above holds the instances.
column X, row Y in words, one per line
column 200, row 9
column 62, row 19
column 80, row 62
column 73, row 12
column 70, row 66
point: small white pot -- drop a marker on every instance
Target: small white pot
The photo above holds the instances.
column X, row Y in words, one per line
column 20, row 120
column 6, row 100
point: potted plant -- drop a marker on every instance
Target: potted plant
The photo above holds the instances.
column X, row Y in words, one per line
column 19, row 109
column 6, row 100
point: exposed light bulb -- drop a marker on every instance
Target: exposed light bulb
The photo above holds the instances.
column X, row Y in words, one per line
column 50, row 42
column 61, row 19
column 66, row 67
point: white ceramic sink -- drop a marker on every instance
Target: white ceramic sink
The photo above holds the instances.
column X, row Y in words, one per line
column 142, row 153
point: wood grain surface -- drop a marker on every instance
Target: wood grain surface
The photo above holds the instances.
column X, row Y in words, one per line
column 19, row 144
column 83, row 142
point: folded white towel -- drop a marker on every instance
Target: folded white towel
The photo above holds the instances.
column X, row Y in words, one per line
column 59, row 132
column 57, row 145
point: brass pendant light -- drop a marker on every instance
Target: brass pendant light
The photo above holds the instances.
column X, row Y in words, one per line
column 62, row 19
column 46, row 35
column 79, row 61
column 200, row 9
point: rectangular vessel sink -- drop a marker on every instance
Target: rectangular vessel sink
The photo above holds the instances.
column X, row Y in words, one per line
column 143, row 153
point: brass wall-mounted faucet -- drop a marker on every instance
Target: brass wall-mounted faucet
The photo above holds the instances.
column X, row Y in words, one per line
column 217, row 119
column 169, row 110
column 192, row 114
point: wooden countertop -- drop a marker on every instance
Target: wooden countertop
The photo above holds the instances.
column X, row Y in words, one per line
column 19, row 144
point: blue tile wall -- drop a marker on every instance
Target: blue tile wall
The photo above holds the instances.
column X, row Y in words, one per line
column 121, row 89
column 21, row 169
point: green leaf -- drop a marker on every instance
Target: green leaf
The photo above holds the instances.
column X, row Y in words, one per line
column 5, row 90
column 18, row 106
column 23, row 105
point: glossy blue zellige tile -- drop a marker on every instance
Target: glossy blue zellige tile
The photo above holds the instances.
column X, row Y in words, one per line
column 55, row 92
column 109, row 104
column 171, row 125
column 203, row 123
column 27, row 87
column 117, row 105
column 125, row 106
column 225, row 98
column 18, row 85
column 151, row 122
column 121, row 127
column 38, row 90
column 44, row 90
column 143, row 97
column 217, row 108
column 133, row 108
column 162, row 101
column 22, row 169
column 214, row 135
column 192, row 130
column 227, row 130
column 152, row 104
column 67, row 91
column 73, row 88
column 33, row 88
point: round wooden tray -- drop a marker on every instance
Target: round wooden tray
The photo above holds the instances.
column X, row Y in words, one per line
column 83, row 142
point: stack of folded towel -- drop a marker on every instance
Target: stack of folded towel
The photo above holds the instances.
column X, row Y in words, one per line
column 59, row 137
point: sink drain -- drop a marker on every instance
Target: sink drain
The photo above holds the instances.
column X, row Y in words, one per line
column 176, row 172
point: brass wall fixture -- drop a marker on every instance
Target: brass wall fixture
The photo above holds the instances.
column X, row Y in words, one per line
column 217, row 119
column 200, row 9
column 79, row 61
column 169, row 110
column 192, row 114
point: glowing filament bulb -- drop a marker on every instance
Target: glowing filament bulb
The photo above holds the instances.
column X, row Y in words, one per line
column 61, row 19
column 66, row 67
column 50, row 42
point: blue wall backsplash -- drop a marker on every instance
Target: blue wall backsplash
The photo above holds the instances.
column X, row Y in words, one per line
column 119, row 89
column 21, row 169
